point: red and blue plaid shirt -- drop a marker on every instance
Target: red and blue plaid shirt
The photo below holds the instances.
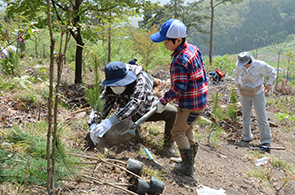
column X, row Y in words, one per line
column 189, row 84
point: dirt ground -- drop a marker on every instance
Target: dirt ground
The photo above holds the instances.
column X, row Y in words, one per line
column 223, row 166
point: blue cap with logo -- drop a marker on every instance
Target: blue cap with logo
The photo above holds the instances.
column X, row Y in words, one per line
column 172, row 28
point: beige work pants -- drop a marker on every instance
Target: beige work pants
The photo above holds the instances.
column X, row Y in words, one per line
column 182, row 129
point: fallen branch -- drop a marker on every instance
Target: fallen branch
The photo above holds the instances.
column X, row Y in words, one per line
column 105, row 161
column 93, row 179
column 81, row 110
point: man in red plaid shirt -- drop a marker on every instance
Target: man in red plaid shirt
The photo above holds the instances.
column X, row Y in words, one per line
column 189, row 87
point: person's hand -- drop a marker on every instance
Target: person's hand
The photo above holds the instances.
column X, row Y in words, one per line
column 94, row 138
column 97, row 131
column 102, row 128
column 267, row 88
column 239, row 86
column 160, row 106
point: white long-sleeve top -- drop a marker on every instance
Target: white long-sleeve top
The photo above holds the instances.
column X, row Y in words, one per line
column 254, row 75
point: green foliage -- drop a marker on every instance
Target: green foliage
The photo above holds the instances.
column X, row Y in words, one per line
column 93, row 99
column 144, row 46
column 225, row 63
column 286, row 108
column 290, row 55
column 92, row 95
column 203, row 122
column 242, row 26
column 190, row 13
column 284, row 117
column 161, row 60
column 36, row 95
column 11, row 65
column 259, row 173
column 42, row 73
column 218, row 115
column 24, row 162
column 267, row 173
column 23, row 82
column 218, row 112
column 279, row 164
column 6, row 84
column 232, row 108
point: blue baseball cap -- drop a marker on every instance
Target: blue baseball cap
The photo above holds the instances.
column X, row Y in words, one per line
column 172, row 28
column 116, row 74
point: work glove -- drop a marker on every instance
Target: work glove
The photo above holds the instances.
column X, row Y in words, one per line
column 93, row 137
column 91, row 118
column 160, row 106
column 99, row 130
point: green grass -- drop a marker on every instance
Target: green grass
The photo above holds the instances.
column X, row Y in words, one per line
column 23, row 159
column 279, row 164
column 6, row 85
column 259, row 173
column 35, row 95
column 152, row 133
column 265, row 174
column 203, row 122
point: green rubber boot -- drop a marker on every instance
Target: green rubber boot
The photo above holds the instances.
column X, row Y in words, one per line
column 186, row 167
column 195, row 150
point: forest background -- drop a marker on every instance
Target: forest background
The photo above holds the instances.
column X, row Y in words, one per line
column 238, row 26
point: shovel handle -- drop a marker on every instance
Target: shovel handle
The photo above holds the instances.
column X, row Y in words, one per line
column 146, row 116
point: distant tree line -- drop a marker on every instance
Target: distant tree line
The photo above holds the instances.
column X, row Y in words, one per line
column 254, row 24
column 238, row 26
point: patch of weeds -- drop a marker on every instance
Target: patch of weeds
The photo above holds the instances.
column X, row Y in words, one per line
column 80, row 124
column 266, row 173
column 23, row 82
column 37, row 95
column 92, row 96
column 6, row 85
column 256, row 154
column 24, row 161
column 269, row 101
column 284, row 117
column 41, row 73
column 77, row 125
column 40, row 61
column 11, row 65
column 149, row 171
column 279, row 164
column 141, row 151
column 198, row 136
column 63, row 101
column 203, row 122
column 215, row 133
column 259, row 173
column 217, row 115
column 152, row 133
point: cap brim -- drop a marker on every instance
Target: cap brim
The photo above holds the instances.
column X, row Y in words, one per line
column 129, row 78
column 243, row 63
column 157, row 37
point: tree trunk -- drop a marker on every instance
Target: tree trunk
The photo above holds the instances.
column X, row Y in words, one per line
column 109, row 41
column 211, row 34
column 79, row 52
column 79, row 41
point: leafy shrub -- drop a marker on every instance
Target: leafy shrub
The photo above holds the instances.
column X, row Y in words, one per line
column 11, row 65
column 225, row 63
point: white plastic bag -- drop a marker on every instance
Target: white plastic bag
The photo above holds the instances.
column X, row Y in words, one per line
column 204, row 190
